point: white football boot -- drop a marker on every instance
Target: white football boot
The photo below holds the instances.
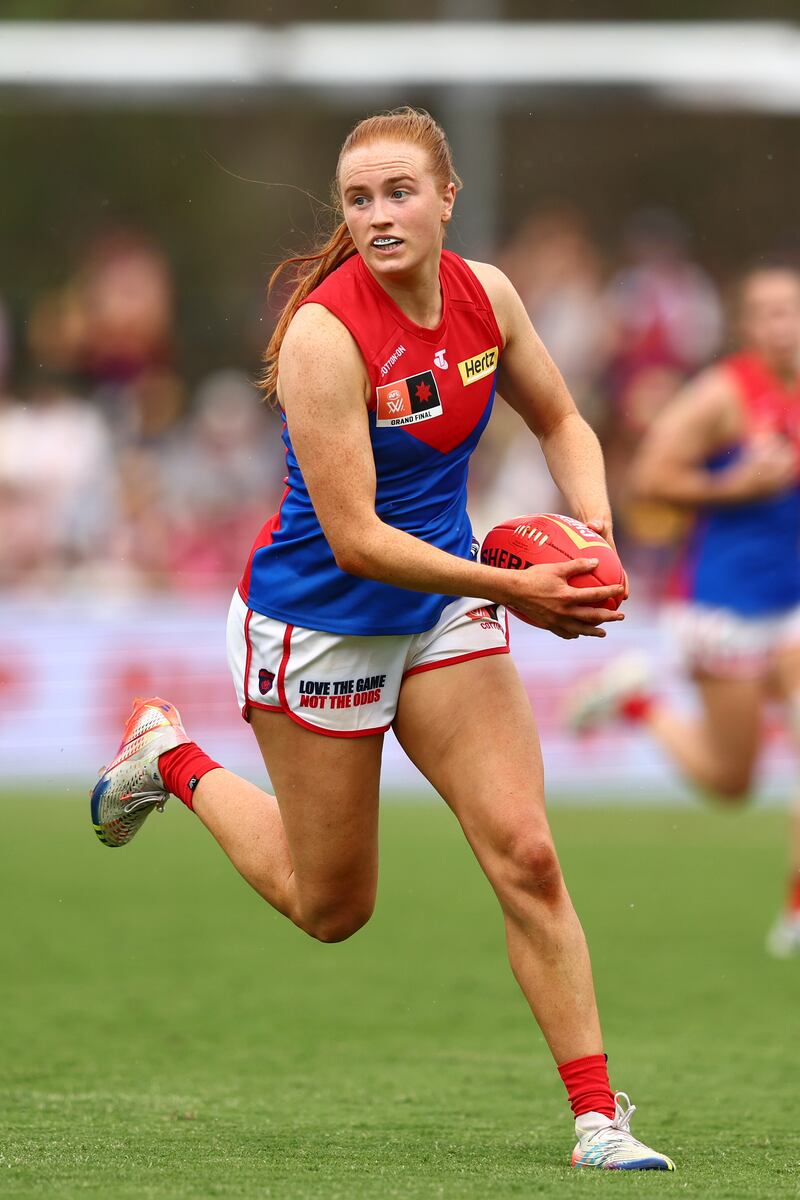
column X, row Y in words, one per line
column 610, row 1145
column 130, row 787
column 783, row 940
column 601, row 697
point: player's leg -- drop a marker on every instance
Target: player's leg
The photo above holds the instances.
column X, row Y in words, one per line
column 726, row 657
column 716, row 751
column 784, row 937
column 312, row 853
column 469, row 729
column 310, row 850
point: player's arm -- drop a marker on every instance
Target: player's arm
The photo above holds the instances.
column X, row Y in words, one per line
column 703, row 419
column 531, row 383
column 324, row 392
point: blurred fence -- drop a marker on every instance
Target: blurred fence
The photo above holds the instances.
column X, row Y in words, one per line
column 67, row 674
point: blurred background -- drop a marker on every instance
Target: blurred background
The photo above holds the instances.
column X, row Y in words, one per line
column 622, row 162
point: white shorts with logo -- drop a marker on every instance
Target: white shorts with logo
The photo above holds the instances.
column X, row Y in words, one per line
column 725, row 644
column 348, row 686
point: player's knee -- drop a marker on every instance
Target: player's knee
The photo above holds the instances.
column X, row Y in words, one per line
column 337, row 922
column 531, row 867
column 338, row 927
column 734, row 786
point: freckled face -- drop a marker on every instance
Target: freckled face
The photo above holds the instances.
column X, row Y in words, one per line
column 394, row 206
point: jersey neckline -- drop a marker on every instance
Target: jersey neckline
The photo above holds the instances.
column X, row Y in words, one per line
column 421, row 331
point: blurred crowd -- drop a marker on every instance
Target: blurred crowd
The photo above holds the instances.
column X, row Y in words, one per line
column 115, row 473
column 120, row 473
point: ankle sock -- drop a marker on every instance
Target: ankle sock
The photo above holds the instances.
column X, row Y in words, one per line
column 793, row 894
column 586, row 1081
column 637, row 708
column 182, row 768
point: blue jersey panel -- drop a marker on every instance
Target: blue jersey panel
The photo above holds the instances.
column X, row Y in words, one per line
column 746, row 557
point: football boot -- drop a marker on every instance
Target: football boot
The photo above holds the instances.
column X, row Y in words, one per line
column 783, row 939
column 608, row 1143
column 130, row 787
column 603, row 695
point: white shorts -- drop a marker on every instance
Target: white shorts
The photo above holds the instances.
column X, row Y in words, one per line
column 347, row 686
column 723, row 643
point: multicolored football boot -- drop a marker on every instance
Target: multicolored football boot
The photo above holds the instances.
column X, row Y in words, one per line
column 610, row 1145
column 130, row 787
column 603, row 695
column 783, row 939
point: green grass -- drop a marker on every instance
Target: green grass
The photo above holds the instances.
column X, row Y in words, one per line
column 164, row 1034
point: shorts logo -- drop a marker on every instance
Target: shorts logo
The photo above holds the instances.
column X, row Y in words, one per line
column 487, row 612
column 480, row 365
column 265, row 680
column 487, row 615
column 408, row 401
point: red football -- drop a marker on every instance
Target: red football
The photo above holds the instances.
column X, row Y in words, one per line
column 523, row 542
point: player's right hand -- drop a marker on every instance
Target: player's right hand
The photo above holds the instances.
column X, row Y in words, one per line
column 545, row 597
column 768, row 465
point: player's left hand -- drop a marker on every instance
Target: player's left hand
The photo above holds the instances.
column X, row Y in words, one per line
column 603, row 526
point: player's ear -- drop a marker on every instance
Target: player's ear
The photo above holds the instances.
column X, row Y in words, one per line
column 448, row 200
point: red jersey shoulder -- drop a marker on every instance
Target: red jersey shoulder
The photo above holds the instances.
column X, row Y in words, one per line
column 365, row 312
column 337, row 284
column 769, row 403
column 343, row 293
column 463, row 284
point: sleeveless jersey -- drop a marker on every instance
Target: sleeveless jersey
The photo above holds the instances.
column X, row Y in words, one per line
column 431, row 394
column 746, row 557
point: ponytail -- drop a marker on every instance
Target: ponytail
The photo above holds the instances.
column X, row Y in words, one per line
column 307, row 271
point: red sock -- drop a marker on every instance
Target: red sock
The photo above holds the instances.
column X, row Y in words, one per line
column 182, row 768
column 586, row 1081
column 637, row 708
column 793, row 894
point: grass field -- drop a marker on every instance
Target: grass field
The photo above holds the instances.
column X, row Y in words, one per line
column 166, row 1035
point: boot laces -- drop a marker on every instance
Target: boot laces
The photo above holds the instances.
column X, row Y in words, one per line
column 136, row 800
column 622, row 1115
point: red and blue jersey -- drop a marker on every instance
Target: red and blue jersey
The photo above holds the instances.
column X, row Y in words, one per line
column 746, row 557
column 431, row 394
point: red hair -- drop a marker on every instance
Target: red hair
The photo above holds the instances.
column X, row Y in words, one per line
column 307, row 271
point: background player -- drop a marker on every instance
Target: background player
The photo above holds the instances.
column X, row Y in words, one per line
column 728, row 447
column 385, row 362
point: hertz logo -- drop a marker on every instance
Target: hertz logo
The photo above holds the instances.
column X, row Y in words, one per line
column 472, row 369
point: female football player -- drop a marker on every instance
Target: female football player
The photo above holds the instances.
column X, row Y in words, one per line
column 728, row 448
column 362, row 588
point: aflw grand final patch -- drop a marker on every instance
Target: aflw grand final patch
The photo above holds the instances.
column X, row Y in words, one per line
column 407, row 401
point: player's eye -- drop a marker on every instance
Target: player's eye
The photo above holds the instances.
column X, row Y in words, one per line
column 399, row 194
column 359, row 201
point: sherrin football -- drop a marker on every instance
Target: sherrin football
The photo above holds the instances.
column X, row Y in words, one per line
column 523, row 542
